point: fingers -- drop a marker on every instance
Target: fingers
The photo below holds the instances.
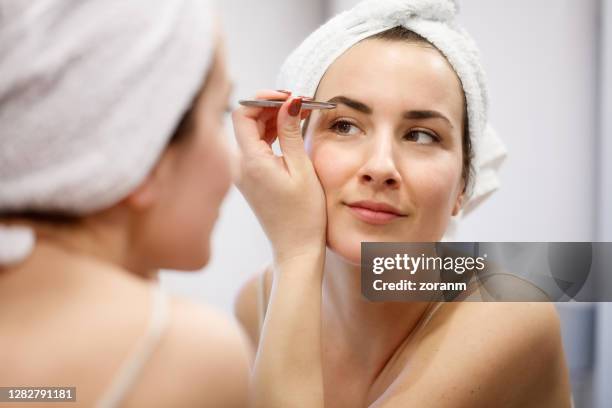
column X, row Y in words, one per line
column 268, row 122
column 253, row 111
column 257, row 128
column 249, row 123
column 290, row 134
column 247, row 130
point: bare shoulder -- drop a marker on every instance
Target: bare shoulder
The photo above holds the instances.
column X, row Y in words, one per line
column 481, row 354
column 203, row 360
column 246, row 305
column 93, row 316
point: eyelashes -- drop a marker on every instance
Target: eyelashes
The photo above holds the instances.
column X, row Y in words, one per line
column 345, row 127
column 429, row 137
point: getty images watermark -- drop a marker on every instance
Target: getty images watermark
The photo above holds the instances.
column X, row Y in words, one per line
column 487, row 271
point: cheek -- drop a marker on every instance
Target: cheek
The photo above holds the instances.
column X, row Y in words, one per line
column 214, row 165
column 207, row 174
column 432, row 181
column 334, row 166
column 203, row 179
column 433, row 185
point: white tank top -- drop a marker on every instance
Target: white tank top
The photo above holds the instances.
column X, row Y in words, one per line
column 131, row 368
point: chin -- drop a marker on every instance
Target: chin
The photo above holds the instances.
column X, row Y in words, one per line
column 197, row 250
column 346, row 242
column 192, row 260
column 202, row 260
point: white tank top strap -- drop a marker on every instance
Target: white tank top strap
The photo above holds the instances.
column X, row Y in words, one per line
column 434, row 306
column 132, row 367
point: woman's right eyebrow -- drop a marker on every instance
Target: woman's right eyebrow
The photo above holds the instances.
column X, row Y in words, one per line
column 351, row 103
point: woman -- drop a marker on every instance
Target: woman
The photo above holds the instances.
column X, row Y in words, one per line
column 393, row 162
column 101, row 185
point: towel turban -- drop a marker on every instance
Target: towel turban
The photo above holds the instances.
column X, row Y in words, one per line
column 90, row 93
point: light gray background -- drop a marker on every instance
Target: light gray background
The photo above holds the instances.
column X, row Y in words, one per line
column 548, row 65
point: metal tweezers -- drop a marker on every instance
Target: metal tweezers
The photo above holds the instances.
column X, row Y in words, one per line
column 272, row 103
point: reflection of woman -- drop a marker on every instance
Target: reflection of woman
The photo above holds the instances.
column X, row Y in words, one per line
column 393, row 162
column 101, row 184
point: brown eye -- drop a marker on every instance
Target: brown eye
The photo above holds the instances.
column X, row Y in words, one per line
column 343, row 127
column 421, row 137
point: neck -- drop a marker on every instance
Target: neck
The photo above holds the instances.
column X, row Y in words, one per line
column 102, row 242
column 374, row 329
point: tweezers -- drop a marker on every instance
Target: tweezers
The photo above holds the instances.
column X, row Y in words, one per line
column 272, row 103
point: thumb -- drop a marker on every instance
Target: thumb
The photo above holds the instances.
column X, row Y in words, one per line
column 290, row 134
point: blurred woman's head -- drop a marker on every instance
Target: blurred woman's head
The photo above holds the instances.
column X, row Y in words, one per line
column 113, row 145
column 173, row 211
column 398, row 137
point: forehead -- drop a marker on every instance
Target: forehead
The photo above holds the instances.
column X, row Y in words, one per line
column 395, row 72
column 216, row 84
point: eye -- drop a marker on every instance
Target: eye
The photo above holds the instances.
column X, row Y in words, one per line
column 226, row 113
column 344, row 127
column 421, row 137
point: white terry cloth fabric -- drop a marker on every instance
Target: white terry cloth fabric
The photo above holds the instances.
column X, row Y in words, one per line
column 90, row 93
column 435, row 21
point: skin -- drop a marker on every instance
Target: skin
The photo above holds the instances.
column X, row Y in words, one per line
column 470, row 354
column 86, row 289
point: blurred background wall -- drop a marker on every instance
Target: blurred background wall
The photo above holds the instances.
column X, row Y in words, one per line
column 603, row 328
column 548, row 64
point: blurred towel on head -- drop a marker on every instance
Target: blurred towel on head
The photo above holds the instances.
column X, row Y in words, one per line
column 90, row 93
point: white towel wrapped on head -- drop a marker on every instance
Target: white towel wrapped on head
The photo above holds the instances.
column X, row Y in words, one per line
column 435, row 21
column 90, row 93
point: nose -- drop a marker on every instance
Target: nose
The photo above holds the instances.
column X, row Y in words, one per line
column 379, row 170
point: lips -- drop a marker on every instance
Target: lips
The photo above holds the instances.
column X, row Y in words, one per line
column 374, row 212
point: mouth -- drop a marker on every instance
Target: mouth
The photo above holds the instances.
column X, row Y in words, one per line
column 376, row 213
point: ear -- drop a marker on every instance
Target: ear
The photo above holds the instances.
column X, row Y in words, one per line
column 148, row 191
column 143, row 196
column 458, row 204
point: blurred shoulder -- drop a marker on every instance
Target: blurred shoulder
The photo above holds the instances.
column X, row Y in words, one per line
column 247, row 303
column 203, row 360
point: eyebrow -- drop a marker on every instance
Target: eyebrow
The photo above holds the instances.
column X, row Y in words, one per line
column 426, row 114
column 352, row 103
column 412, row 114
